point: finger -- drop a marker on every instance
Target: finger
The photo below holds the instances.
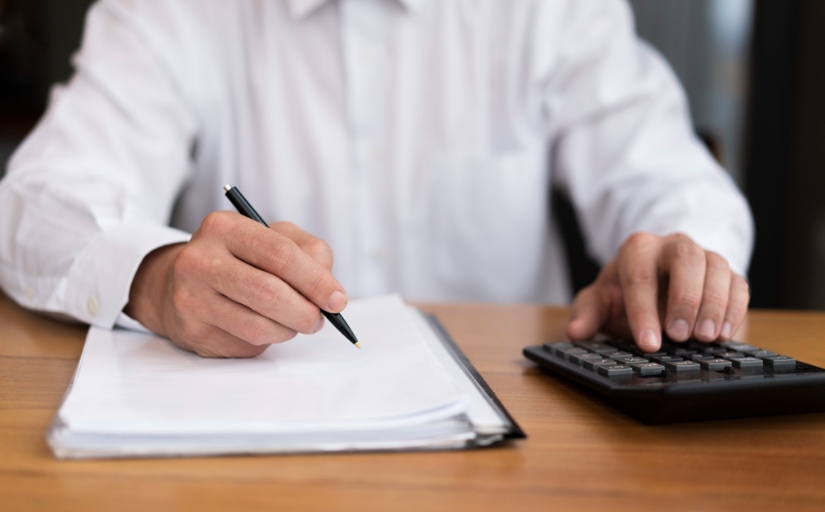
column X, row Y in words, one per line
column 265, row 295
column 588, row 314
column 714, row 298
column 737, row 307
column 318, row 250
column 246, row 324
column 281, row 257
column 210, row 341
column 638, row 277
column 684, row 262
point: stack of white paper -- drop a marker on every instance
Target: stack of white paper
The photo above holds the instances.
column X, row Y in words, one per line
column 138, row 395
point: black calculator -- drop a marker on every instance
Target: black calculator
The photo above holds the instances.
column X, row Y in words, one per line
column 690, row 381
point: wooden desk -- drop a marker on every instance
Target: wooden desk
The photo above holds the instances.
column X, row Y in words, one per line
column 580, row 453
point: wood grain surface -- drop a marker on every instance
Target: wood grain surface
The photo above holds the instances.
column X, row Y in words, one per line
column 580, row 453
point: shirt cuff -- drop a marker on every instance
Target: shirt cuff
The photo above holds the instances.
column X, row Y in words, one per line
column 100, row 280
column 125, row 321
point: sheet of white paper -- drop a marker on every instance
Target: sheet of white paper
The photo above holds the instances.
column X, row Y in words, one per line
column 141, row 384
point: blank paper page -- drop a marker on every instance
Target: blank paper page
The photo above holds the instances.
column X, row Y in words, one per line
column 130, row 382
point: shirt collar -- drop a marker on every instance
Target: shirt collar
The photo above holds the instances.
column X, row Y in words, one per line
column 302, row 8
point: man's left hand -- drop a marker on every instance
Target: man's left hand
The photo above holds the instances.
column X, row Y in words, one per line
column 655, row 282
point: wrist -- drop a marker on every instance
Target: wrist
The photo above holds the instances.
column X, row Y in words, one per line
column 149, row 288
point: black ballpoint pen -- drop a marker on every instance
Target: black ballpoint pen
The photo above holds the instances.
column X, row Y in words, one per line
column 244, row 208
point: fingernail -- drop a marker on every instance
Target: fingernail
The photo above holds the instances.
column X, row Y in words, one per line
column 649, row 340
column 337, row 301
column 707, row 328
column 726, row 330
column 679, row 330
column 318, row 325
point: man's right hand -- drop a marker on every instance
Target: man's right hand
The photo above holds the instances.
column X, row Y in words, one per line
column 236, row 287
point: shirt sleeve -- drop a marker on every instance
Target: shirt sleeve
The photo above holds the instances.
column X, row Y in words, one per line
column 90, row 192
column 623, row 145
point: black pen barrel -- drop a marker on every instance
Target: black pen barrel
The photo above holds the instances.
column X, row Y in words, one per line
column 242, row 205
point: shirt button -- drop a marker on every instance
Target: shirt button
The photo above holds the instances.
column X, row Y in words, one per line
column 379, row 255
column 91, row 307
column 29, row 294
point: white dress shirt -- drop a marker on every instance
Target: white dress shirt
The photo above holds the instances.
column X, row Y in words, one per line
column 419, row 138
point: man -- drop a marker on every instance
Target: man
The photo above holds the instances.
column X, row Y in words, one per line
column 417, row 138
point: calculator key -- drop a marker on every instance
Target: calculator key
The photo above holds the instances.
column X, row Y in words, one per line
column 779, row 361
column 593, row 364
column 607, row 351
column 714, row 364
column 735, row 346
column 621, row 356
column 614, row 371
column 592, row 346
column 730, row 355
column 746, row 362
column 645, row 369
column 573, row 352
column 580, row 358
column 682, row 366
column 665, row 358
column 759, row 353
column 557, row 348
column 683, row 352
column 635, row 360
column 699, row 357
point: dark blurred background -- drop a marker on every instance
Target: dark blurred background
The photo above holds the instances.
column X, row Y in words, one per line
column 751, row 68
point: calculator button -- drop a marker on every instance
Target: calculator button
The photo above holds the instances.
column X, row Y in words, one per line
column 729, row 355
column 607, row 351
column 592, row 346
column 779, row 361
column 648, row 368
column 683, row 352
column 746, row 362
column 593, row 364
column 570, row 352
column 759, row 353
column 682, row 366
column 735, row 346
column 557, row 348
column 699, row 357
column 580, row 358
column 636, row 360
column 621, row 356
column 613, row 371
column 664, row 359
column 714, row 364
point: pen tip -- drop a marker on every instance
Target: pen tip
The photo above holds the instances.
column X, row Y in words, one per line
column 227, row 187
column 357, row 345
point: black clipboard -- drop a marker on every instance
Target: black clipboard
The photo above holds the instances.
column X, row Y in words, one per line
column 512, row 429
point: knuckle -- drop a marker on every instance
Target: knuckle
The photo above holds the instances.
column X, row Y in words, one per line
column 639, row 239
column 639, row 277
column 688, row 299
column 267, row 293
column 716, row 261
column 216, row 221
column 282, row 256
column 685, row 249
column 715, row 302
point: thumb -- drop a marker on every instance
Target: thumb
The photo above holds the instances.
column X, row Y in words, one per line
column 590, row 312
